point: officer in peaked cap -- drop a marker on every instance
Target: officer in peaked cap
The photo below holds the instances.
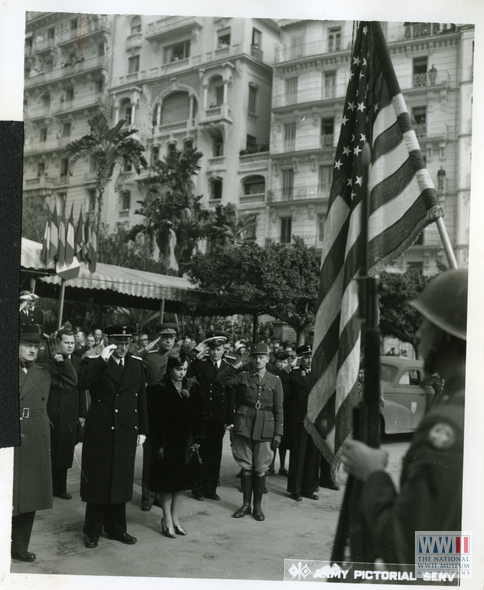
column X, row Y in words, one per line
column 258, row 424
column 430, row 497
column 218, row 407
column 304, row 455
column 155, row 355
column 116, row 423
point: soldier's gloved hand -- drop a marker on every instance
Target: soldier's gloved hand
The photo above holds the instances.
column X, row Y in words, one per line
column 141, row 439
column 108, row 351
column 276, row 441
column 152, row 344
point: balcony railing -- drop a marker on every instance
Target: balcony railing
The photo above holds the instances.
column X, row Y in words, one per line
column 42, row 181
column 251, row 158
column 45, row 146
column 248, row 199
column 420, row 129
column 81, row 67
column 298, row 193
column 308, row 48
column 256, row 52
column 97, row 25
column 134, row 40
column 45, row 45
column 218, row 113
column 38, row 111
column 419, row 30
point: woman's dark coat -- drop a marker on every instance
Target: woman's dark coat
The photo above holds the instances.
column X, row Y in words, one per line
column 173, row 418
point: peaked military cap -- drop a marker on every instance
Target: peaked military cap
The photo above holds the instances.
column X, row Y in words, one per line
column 121, row 331
column 215, row 339
column 260, row 348
column 303, row 350
column 166, row 329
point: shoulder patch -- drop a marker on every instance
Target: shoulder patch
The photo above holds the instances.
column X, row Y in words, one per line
column 442, row 436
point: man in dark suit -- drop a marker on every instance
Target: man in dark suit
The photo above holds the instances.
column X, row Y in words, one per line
column 155, row 355
column 116, row 422
column 218, row 402
column 66, row 408
column 304, row 457
column 32, row 479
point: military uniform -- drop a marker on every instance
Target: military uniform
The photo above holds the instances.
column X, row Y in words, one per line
column 116, row 416
column 258, row 418
column 430, row 497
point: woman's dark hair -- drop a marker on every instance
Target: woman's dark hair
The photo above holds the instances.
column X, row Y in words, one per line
column 176, row 358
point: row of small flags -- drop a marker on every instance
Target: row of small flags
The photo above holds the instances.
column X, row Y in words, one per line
column 67, row 245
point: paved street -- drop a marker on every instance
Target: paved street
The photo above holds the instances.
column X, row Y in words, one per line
column 217, row 546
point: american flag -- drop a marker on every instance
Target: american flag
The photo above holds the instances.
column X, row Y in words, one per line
column 402, row 202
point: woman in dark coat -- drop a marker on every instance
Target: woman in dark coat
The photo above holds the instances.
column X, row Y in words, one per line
column 176, row 427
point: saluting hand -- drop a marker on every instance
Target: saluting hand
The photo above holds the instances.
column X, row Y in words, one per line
column 108, row 351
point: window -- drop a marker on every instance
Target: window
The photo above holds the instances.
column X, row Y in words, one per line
column 64, row 167
column 327, row 128
column 188, row 145
column 252, row 99
column 136, row 25
column 325, row 174
column 127, row 164
column 125, row 200
column 219, row 95
column 92, row 163
column 321, row 222
column 127, row 113
column 250, row 230
column 420, row 71
column 291, row 90
column 217, row 188
column 255, row 185
column 297, row 44
column 334, row 39
column 43, row 134
column 155, row 153
column 133, row 64
column 223, row 38
column 287, row 184
column 410, row 377
column 69, row 94
column 286, row 230
column 51, row 33
column 46, row 100
column 41, row 169
column 419, row 121
column 329, row 84
column 177, row 51
column 256, row 38
column 98, row 86
column 48, row 65
column 290, row 137
column 418, row 266
column 100, row 49
column 66, row 129
column 218, row 147
column 251, row 142
column 91, row 199
column 74, row 23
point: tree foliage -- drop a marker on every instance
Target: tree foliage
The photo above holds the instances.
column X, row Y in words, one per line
column 176, row 218
column 34, row 217
column 397, row 318
column 281, row 280
column 108, row 147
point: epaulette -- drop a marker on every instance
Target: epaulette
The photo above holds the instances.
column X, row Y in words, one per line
column 138, row 358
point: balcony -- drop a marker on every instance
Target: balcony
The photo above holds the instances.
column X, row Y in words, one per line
column 218, row 114
column 134, row 40
column 308, row 95
column 309, row 48
column 42, row 181
column 40, row 147
column 251, row 199
column 38, row 112
column 327, row 140
column 254, row 161
column 420, row 30
column 84, row 102
column 304, row 193
column 83, row 66
column 167, row 129
column 256, row 52
column 172, row 24
column 45, row 47
column 98, row 24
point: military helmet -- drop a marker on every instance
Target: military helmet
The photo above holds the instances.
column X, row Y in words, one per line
column 444, row 302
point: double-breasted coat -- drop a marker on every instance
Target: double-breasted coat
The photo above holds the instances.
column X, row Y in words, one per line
column 116, row 416
column 32, row 481
column 64, row 407
column 218, row 399
column 174, row 420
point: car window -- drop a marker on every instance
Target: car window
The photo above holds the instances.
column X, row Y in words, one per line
column 387, row 373
column 410, row 377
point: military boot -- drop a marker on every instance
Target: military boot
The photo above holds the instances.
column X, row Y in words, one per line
column 259, row 485
column 246, row 482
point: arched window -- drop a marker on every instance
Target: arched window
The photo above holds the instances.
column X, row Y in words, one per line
column 254, row 185
column 176, row 107
column 135, row 25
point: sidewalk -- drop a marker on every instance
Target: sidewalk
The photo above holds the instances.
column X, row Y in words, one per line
column 217, row 545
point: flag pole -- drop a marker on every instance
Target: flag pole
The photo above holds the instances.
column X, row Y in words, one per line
column 61, row 303
column 444, row 236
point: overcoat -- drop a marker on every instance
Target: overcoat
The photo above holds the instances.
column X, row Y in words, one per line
column 116, row 416
column 257, row 424
column 173, row 420
column 218, row 399
column 32, row 481
column 64, row 407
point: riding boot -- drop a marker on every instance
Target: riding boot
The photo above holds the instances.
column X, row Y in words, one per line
column 259, row 485
column 246, row 481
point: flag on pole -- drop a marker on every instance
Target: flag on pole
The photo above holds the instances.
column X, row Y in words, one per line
column 69, row 268
column 45, row 254
column 402, row 202
column 61, row 250
column 54, row 234
column 69, row 255
column 90, row 241
column 79, row 239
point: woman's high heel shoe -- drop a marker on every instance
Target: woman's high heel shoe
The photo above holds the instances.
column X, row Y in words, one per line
column 168, row 531
column 179, row 530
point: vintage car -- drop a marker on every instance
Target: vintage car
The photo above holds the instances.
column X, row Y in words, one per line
column 405, row 399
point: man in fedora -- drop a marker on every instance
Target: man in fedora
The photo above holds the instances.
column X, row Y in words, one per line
column 116, row 422
column 218, row 402
column 258, row 424
column 32, row 480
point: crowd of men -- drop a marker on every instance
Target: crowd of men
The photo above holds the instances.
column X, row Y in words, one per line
column 96, row 393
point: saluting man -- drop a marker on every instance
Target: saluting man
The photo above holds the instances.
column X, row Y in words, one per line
column 258, row 424
column 430, row 497
column 115, row 423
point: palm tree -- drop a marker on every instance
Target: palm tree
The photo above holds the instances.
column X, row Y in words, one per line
column 108, row 147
